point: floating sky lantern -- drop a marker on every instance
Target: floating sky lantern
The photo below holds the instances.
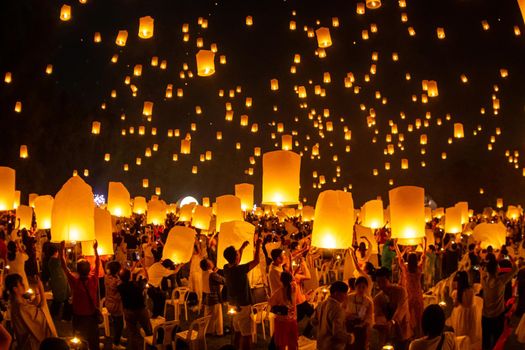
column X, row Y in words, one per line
column 122, row 38
column 228, row 209
column 179, row 244
column 324, row 39
column 118, row 200
column 186, row 212
column 201, row 217
column 407, row 214
column 458, row 130
column 43, row 209
column 372, row 214
column 146, row 25
column 24, row 217
column 333, row 220
column 244, row 192
column 373, row 4
column 205, row 63
column 72, row 217
column 95, row 128
column 156, row 212
column 139, row 205
column 65, row 13
column 281, row 177
column 453, row 220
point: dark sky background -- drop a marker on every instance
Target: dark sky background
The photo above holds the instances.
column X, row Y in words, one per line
column 58, row 109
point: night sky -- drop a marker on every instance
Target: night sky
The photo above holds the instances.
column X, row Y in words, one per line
column 58, row 109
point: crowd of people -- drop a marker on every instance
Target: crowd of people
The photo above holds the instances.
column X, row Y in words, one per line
column 451, row 294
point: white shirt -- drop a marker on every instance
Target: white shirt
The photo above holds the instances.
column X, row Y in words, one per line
column 449, row 343
column 156, row 272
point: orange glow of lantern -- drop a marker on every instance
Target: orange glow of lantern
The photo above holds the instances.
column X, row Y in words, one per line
column 201, row 217
column 453, row 220
column 205, row 63
column 281, row 177
column 65, row 13
column 118, row 200
column 24, row 217
column 372, row 214
column 146, row 25
column 228, row 209
column 407, row 214
column 244, row 192
column 323, row 37
column 179, row 244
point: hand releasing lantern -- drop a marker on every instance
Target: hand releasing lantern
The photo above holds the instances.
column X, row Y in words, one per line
column 333, row 220
column 407, row 214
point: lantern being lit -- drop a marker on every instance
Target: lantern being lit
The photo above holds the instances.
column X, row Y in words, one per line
column 179, row 244
column 324, row 39
column 72, row 217
column 43, row 210
column 146, row 25
column 228, row 209
column 407, row 214
column 281, row 178
column 333, row 220
column 372, row 214
column 244, row 191
column 156, row 212
column 118, row 200
column 205, row 63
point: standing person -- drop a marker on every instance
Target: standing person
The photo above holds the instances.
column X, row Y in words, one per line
column 411, row 280
column 329, row 318
column 84, row 287
column 388, row 255
column 391, row 310
column 360, row 314
column 283, row 304
column 195, row 278
column 429, row 269
column 147, row 249
column 212, row 283
column 16, row 259
column 363, row 253
column 134, row 305
column 463, row 319
column 28, row 317
column 493, row 286
column 433, row 324
column 239, row 294
column 3, row 247
column 276, row 268
column 156, row 273
column 57, row 281
column 113, row 302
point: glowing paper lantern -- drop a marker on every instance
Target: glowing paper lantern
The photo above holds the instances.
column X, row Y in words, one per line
column 201, row 217
column 286, row 141
column 72, row 217
column 32, row 197
column 281, row 178
column 463, row 207
column 372, row 214
column 17, row 199
column 23, row 152
column 139, row 205
column 407, row 214
column 458, row 130
column 156, row 212
column 234, row 233
column 43, row 210
column 95, row 128
column 119, row 200
column 205, row 63
column 122, row 37
column 228, row 209
column 274, row 84
column 307, row 213
column 179, row 244
column 186, row 212
column 490, row 234
column 513, row 212
column 244, row 191
column 7, row 188
column 453, row 220
column 323, row 37
column 24, row 217
column 373, row 4
column 103, row 234
column 333, row 220
column 146, row 25
column 65, row 13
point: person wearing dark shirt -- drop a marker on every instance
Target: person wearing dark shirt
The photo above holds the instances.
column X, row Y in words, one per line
column 450, row 260
column 239, row 295
column 135, row 312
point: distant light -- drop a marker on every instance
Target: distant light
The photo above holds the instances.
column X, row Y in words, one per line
column 99, row 199
column 188, row 200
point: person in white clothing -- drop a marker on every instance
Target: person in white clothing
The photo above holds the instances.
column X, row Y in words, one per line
column 276, row 268
column 433, row 324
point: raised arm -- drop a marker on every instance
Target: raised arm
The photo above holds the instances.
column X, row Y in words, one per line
column 97, row 258
column 424, row 255
column 63, row 262
column 356, row 263
column 257, row 254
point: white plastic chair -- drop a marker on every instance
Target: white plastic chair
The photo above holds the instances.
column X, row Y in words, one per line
column 259, row 313
column 179, row 297
column 319, row 295
column 324, row 273
column 195, row 336
column 168, row 329
column 105, row 317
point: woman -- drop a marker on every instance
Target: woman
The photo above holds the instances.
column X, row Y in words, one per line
column 147, row 250
column 283, row 304
column 363, row 253
column 463, row 318
column 430, row 266
column 16, row 258
column 360, row 314
column 57, row 281
column 121, row 253
column 411, row 280
column 195, row 278
column 433, row 324
column 28, row 318
column 113, row 302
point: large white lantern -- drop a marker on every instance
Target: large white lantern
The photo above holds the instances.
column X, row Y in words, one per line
column 179, row 244
column 281, row 178
column 119, row 200
column 333, row 220
column 228, row 209
column 407, row 214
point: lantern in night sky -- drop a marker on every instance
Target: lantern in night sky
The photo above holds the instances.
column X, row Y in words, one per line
column 228, row 209
column 205, row 63
column 156, row 212
column 458, row 130
column 24, row 217
column 72, row 217
column 43, row 210
column 281, row 178
column 372, row 214
column 179, row 244
column 122, row 37
column 23, row 152
column 118, row 200
column 65, row 13
column 407, row 214
column 234, row 233
column 146, row 25
column 139, row 205
column 244, row 192
column 453, row 220
column 95, row 128
column 323, row 37
column 201, row 217
column 333, row 220
column 286, row 141
column 373, row 4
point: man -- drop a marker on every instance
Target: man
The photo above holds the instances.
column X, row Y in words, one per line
column 276, row 268
column 493, row 286
column 239, row 295
column 329, row 318
column 451, row 259
column 156, row 272
column 211, row 287
column 391, row 309
column 84, row 288
column 135, row 313
column 388, row 255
